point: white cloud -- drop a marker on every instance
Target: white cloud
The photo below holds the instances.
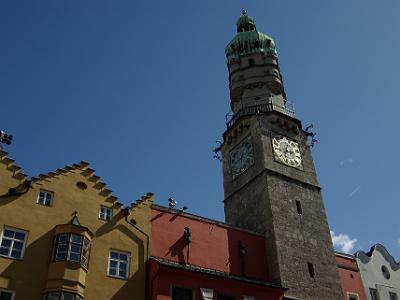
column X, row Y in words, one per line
column 343, row 242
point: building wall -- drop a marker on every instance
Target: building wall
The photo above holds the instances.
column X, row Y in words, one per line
column 164, row 278
column 214, row 245
column 350, row 277
column 29, row 276
column 263, row 199
column 371, row 264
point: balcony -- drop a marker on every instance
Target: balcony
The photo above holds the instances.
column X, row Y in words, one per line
column 231, row 118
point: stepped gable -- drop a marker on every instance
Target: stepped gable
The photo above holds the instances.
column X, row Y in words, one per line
column 146, row 200
column 14, row 170
column 83, row 169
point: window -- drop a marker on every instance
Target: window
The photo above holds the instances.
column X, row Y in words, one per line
column 13, row 243
column 374, row 294
column 385, row 272
column 105, row 213
column 222, row 297
column 352, row 296
column 118, row 264
column 311, row 270
column 61, row 296
column 179, row 293
column 45, row 198
column 207, row 294
column 251, row 62
column 393, row 296
column 6, row 294
column 299, row 208
column 72, row 247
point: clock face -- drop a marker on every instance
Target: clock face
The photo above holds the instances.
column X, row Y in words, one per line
column 287, row 151
column 242, row 157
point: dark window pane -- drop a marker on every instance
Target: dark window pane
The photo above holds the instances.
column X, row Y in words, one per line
column 62, row 247
column 18, row 245
column 8, row 233
column 122, row 266
column 63, row 238
column 76, row 248
column 181, row 293
column 122, row 273
column 123, row 257
column 4, row 251
column 112, row 271
column 74, row 257
column 222, row 297
column 114, row 255
column 6, row 243
column 67, row 296
column 20, row 236
column 76, row 239
column 16, row 254
column 53, row 296
column 5, row 295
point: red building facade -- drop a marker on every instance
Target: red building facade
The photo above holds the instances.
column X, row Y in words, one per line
column 207, row 259
column 350, row 277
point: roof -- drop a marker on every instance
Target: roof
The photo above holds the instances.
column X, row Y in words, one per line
column 212, row 272
column 249, row 40
column 366, row 257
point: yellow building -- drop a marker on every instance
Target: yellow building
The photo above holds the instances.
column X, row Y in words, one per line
column 64, row 236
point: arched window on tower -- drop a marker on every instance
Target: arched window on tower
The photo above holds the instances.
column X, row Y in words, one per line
column 251, row 62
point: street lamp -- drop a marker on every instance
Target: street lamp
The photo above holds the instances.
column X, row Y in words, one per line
column 5, row 138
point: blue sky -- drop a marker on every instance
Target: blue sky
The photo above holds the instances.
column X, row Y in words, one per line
column 140, row 90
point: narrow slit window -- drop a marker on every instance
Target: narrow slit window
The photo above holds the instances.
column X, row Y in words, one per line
column 299, row 208
column 311, row 270
column 251, row 62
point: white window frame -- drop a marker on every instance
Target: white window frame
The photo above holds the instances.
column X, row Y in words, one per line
column 103, row 214
column 38, row 201
column 118, row 263
column 352, row 295
column 13, row 240
column 8, row 291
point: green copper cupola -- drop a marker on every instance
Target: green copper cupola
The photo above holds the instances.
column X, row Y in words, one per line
column 255, row 80
column 249, row 40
